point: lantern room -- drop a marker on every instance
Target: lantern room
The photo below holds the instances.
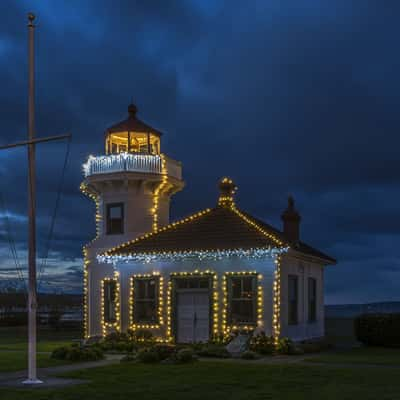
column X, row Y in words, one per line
column 132, row 136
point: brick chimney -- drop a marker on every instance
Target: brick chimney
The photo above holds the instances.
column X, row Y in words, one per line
column 291, row 222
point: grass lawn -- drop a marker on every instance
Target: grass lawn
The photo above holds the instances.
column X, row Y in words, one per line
column 234, row 381
column 15, row 339
column 17, row 361
column 44, row 346
column 362, row 355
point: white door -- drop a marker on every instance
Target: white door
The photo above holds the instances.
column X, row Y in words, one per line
column 192, row 316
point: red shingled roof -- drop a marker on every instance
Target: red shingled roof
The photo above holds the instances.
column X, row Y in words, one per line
column 220, row 228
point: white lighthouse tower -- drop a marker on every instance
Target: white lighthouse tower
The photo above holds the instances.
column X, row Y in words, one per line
column 132, row 185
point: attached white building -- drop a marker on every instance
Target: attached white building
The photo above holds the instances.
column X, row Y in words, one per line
column 215, row 271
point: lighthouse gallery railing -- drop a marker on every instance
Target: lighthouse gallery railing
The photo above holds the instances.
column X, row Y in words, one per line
column 130, row 162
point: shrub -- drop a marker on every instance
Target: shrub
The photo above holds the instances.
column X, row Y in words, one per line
column 218, row 339
column 116, row 337
column 148, row 355
column 213, row 350
column 284, row 346
column 118, row 342
column 164, row 351
column 60, row 353
column 185, row 356
column 262, row 344
column 120, row 347
column 249, row 355
column 76, row 353
column 142, row 334
column 378, row 329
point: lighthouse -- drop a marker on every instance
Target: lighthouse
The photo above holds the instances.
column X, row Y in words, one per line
column 131, row 184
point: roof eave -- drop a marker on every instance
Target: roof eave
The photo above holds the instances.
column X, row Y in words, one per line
column 256, row 252
column 321, row 260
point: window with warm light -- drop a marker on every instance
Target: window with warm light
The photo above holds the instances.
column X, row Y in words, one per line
column 145, row 300
column 242, row 298
column 132, row 142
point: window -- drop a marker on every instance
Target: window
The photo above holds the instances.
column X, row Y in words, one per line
column 312, row 299
column 114, row 148
column 242, row 299
column 192, row 283
column 115, row 219
column 145, row 300
column 144, row 148
column 293, row 292
column 110, row 301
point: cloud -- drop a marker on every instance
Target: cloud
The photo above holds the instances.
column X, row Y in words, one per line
column 283, row 96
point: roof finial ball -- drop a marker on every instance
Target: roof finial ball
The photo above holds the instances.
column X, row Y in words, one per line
column 132, row 110
column 227, row 189
column 31, row 18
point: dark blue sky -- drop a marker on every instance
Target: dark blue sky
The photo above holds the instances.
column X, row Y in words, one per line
column 283, row 96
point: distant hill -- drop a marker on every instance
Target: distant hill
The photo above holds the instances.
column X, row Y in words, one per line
column 352, row 310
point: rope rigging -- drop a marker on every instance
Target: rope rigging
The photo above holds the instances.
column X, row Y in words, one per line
column 11, row 242
column 43, row 264
column 10, row 236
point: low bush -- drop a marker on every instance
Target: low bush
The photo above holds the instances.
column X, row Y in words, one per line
column 147, row 355
column 184, row 356
column 140, row 335
column 76, row 353
column 119, row 347
column 60, row 353
column 378, row 329
column 213, row 350
column 220, row 339
column 116, row 337
column 284, row 346
column 164, row 351
column 119, row 342
column 249, row 355
column 262, row 344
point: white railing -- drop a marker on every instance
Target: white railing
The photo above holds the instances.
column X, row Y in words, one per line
column 130, row 162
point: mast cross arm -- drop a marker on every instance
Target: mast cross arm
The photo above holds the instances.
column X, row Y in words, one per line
column 34, row 141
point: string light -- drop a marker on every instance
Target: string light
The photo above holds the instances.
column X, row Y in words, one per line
column 276, row 317
column 227, row 329
column 85, row 294
column 256, row 253
column 122, row 162
column 86, row 262
column 215, row 298
column 226, row 200
column 171, row 226
column 113, row 256
column 158, row 191
column 107, row 325
column 160, row 301
column 169, row 311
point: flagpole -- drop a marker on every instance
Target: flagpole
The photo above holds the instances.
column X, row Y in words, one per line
column 32, row 295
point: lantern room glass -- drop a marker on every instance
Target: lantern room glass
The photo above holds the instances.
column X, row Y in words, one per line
column 132, row 142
